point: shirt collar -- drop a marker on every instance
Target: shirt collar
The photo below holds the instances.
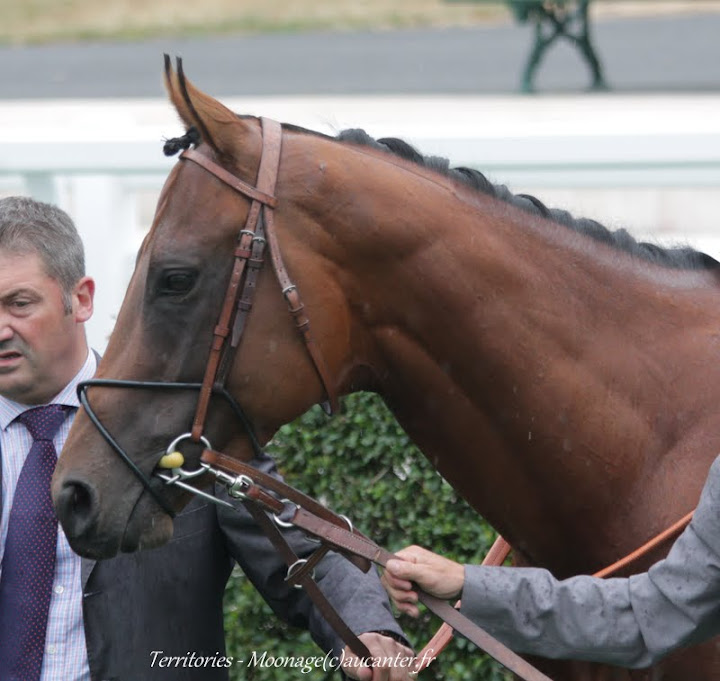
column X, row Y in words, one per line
column 10, row 410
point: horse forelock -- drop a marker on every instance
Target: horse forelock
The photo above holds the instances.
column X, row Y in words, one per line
column 205, row 118
column 675, row 257
column 175, row 145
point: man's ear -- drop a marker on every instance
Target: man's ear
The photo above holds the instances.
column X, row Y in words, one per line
column 82, row 299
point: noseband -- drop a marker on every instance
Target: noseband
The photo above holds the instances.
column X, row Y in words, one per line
column 257, row 233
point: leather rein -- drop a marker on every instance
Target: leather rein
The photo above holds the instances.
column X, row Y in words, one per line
column 274, row 504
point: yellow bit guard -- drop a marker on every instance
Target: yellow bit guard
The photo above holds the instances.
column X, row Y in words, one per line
column 172, row 460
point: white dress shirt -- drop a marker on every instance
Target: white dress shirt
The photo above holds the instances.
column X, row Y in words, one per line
column 65, row 656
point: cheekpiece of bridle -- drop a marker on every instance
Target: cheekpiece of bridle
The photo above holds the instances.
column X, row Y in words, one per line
column 257, row 233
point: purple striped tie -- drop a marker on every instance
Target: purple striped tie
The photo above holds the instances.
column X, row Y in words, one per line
column 28, row 565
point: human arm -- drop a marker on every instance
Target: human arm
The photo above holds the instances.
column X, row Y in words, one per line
column 629, row 622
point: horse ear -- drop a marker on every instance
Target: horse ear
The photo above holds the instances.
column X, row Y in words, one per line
column 218, row 125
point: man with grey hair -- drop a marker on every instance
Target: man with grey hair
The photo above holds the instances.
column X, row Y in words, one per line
column 65, row 618
column 28, row 226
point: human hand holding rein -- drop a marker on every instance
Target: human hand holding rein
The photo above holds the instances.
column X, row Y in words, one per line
column 433, row 573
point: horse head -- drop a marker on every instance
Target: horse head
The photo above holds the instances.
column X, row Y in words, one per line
column 187, row 305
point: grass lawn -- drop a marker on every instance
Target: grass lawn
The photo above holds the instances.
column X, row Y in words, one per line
column 39, row 21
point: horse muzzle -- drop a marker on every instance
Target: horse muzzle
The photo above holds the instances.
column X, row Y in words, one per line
column 92, row 535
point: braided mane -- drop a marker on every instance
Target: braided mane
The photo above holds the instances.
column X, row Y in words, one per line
column 679, row 257
column 675, row 257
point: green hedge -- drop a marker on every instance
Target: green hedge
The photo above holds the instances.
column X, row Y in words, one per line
column 362, row 464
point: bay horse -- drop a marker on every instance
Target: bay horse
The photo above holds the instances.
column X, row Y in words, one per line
column 562, row 377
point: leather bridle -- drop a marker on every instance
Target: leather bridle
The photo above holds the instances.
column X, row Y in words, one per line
column 259, row 230
column 257, row 233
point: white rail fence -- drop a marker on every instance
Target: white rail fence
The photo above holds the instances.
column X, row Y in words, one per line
column 650, row 163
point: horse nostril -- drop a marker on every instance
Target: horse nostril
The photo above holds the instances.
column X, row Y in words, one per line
column 76, row 508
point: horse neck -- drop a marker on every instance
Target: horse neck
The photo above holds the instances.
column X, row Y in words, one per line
column 519, row 354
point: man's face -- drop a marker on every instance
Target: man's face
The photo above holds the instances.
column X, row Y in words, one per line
column 41, row 345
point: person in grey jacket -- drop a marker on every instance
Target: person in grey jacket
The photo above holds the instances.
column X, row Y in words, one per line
column 630, row 622
column 146, row 616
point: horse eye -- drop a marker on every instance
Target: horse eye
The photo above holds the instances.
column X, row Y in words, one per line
column 174, row 282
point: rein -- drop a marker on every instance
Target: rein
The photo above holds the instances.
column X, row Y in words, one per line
column 336, row 532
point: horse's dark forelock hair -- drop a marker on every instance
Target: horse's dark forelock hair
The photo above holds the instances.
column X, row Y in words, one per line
column 678, row 257
column 191, row 138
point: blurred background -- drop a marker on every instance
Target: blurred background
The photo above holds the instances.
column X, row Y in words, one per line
column 607, row 108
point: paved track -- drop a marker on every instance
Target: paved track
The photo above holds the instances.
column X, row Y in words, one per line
column 676, row 53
